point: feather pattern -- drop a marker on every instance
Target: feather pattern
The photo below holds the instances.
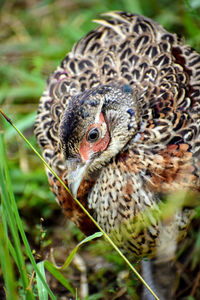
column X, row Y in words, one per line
column 126, row 55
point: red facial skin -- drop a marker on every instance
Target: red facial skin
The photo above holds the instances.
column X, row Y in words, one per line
column 86, row 148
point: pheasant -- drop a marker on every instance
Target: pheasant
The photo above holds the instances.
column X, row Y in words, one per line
column 119, row 122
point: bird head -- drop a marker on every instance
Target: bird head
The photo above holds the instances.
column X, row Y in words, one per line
column 96, row 125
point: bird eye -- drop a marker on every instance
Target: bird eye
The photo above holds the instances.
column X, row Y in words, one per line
column 93, row 135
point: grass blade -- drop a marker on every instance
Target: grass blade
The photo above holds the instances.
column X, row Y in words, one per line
column 6, row 265
column 73, row 252
column 42, row 292
column 54, row 269
column 57, row 274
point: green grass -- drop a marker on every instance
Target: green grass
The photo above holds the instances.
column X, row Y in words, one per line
column 35, row 36
column 12, row 231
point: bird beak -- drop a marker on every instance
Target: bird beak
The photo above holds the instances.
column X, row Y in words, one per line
column 75, row 177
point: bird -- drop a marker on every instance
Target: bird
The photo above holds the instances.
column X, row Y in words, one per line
column 119, row 122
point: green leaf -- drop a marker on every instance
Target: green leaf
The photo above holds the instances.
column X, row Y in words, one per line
column 6, row 265
column 86, row 240
column 42, row 291
column 57, row 274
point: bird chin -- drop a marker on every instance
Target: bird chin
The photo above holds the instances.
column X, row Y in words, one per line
column 75, row 178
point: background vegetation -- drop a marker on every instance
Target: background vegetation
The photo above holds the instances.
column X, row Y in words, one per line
column 34, row 37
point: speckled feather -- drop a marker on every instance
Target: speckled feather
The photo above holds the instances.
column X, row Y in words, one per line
column 129, row 68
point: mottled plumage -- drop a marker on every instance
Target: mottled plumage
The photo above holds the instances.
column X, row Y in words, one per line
column 119, row 121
